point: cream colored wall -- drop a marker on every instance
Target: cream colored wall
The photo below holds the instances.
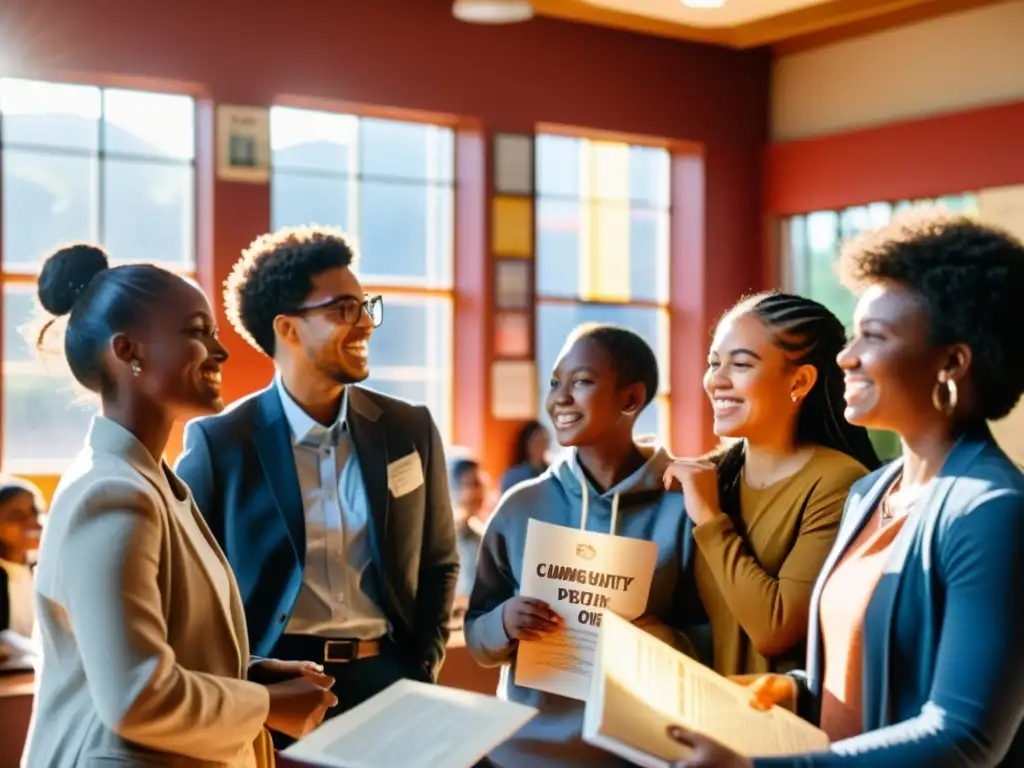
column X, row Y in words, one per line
column 961, row 61
column 1005, row 207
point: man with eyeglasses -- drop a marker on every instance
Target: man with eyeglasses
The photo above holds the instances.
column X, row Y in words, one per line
column 330, row 500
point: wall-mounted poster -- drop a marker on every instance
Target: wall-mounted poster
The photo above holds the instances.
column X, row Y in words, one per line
column 243, row 144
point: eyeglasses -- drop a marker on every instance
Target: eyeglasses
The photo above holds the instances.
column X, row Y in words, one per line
column 347, row 309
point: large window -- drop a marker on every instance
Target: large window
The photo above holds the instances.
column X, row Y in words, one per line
column 81, row 163
column 390, row 185
column 810, row 248
column 602, row 250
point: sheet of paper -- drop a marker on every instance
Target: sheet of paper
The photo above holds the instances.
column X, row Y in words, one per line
column 643, row 685
column 413, row 725
column 581, row 575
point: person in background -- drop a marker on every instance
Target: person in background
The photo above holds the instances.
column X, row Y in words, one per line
column 21, row 507
column 329, row 499
column 766, row 506
column 532, row 444
column 144, row 652
column 917, row 620
column 469, row 503
column 608, row 482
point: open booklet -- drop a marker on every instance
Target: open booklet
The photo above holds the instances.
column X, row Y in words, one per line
column 413, row 725
column 640, row 686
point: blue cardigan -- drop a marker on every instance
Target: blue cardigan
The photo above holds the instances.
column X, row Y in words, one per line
column 943, row 635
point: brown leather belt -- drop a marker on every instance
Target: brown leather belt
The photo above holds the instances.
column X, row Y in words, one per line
column 344, row 651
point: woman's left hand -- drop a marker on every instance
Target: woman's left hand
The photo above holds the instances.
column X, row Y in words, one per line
column 707, row 753
column 699, row 481
column 270, row 671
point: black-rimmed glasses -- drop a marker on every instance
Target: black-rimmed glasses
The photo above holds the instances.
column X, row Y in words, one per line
column 348, row 309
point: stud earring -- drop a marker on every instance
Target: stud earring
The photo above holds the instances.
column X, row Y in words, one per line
column 136, row 367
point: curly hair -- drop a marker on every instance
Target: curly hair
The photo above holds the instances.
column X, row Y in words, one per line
column 632, row 357
column 971, row 277
column 275, row 276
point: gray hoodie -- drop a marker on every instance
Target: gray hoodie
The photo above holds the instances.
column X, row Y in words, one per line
column 645, row 511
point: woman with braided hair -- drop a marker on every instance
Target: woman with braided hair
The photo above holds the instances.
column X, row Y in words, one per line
column 766, row 505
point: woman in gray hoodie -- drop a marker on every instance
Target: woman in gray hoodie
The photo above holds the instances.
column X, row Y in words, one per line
column 607, row 482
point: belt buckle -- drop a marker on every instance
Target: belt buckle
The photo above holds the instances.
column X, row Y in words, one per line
column 341, row 651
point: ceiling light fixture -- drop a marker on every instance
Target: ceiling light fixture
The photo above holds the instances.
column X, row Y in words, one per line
column 492, row 11
column 703, row 3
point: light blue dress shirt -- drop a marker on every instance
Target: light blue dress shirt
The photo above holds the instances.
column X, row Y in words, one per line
column 337, row 598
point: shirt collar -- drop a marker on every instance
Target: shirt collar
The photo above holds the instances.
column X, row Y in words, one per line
column 303, row 427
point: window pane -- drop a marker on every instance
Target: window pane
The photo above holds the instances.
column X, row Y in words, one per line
column 48, row 200
column 649, row 171
column 412, row 353
column 50, row 114
column 20, row 321
column 558, row 166
column 306, row 140
column 558, row 248
column 413, row 391
column 297, row 199
column 45, row 418
column 556, row 321
column 401, row 150
column 648, row 255
column 149, row 212
column 149, row 124
column 416, row 332
column 401, row 227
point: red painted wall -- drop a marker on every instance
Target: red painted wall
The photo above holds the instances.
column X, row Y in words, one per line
column 959, row 152
column 412, row 54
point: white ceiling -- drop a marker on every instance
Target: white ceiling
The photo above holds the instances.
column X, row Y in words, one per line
column 733, row 13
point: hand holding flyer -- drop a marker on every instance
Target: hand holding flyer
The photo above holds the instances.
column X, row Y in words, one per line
column 580, row 575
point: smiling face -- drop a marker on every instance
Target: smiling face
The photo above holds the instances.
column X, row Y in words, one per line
column 750, row 382
column 326, row 342
column 586, row 401
column 19, row 526
column 179, row 354
column 890, row 367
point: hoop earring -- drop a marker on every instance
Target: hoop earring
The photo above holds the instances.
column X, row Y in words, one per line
column 951, row 397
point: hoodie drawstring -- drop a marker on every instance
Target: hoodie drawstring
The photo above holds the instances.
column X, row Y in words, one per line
column 586, row 503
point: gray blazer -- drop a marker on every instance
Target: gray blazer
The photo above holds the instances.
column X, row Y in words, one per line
column 943, row 635
column 144, row 663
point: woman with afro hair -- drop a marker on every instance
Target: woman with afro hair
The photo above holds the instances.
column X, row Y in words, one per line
column 917, row 618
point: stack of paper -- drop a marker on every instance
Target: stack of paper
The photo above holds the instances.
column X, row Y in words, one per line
column 640, row 686
column 413, row 725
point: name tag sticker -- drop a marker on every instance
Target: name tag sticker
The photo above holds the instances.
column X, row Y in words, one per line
column 405, row 475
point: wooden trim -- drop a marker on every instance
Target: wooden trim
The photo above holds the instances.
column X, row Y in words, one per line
column 359, row 109
column 587, row 13
column 911, row 14
column 408, row 290
column 810, row 26
column 636, row 139
column 107, row 80
column 639, row 304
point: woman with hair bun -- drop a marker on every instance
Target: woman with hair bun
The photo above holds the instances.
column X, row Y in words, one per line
column 766, row 507
column 145, row 651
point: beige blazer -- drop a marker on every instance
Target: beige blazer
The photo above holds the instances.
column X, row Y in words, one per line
column 144, row 660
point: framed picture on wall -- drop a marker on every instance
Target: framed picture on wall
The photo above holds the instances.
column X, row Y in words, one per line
column 243, row 144
column 512, row 335
column 513, row 284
